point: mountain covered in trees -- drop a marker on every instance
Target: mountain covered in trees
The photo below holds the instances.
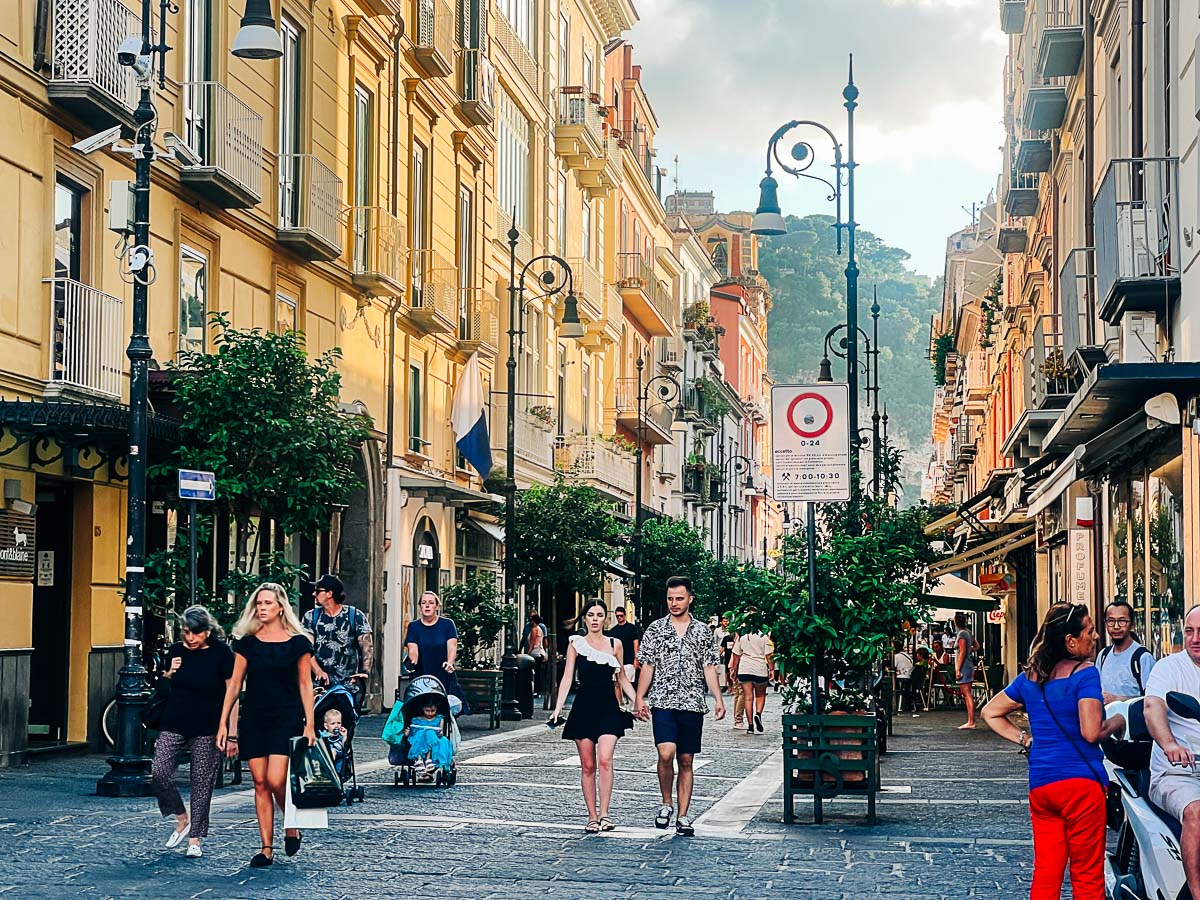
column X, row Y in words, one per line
column 807, row 278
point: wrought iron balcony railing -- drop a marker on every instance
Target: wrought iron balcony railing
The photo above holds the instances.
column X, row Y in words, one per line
column 379, row 251
column 87, row 328
column 84, row 73
column 226, row 135
column 310, row 206
column 476, row 85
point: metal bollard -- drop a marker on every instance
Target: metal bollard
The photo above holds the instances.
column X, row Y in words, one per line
column 525, row 667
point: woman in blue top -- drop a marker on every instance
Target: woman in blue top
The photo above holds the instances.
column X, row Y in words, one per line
column 1060, row 692
column 431, row 643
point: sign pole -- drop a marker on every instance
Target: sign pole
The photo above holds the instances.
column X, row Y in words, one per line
column 814, row 686
column 192, row 548
column 195, row 484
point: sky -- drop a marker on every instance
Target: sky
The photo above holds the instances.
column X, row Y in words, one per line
column 722, row 75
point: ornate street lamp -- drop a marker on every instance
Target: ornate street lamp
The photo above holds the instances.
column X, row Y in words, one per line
column 666, row 390
column 556, row 277
column 768, row 220
column 731, row 468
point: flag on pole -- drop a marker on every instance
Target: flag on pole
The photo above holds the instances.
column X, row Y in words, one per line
column 468, row 418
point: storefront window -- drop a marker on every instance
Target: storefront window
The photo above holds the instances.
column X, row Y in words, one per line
column 1164, row 503
column 1118, row 539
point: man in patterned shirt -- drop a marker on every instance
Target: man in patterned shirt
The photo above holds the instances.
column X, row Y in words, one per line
column 678, row 659
column 343, row 649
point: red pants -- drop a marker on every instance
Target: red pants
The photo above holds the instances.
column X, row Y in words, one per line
column 1068, row 824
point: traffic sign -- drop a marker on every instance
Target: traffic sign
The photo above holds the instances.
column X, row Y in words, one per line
column 195, row 484
column 810, row 442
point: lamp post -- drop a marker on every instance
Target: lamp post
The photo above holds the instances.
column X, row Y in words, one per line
column 555, row 278
column 667, row 390
column 129, row 767
column 730, row 468
column 871, row 365
column 768, row 220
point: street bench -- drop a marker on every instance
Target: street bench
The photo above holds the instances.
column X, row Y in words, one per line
column 829, row 756
column 482, row 688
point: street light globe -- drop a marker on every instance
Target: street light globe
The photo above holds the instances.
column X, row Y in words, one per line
column 258, row 38
column 768, row 218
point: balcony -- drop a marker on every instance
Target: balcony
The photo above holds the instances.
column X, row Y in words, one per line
column 1012, row 236
column 1049, row 381
column 85, row 77
column 88, row 349
column 756, row 408
column 1083, row 340
column 604, row 172
column 1022, row 197
column 589, row 290
column 642, row 294
column 504, row 224
column 578, row 136
column 476, row 86
column 659, row 417
column 637, row 145
column 515, row 48
column 1012, row 16
column 433, row 303
column 1045, row 105
column 597, row 462
column 226, row 135
column 1137, row 237
column 533, row 440
column 478, row 323
column 433, row 37
column 695, row 409
column 670, row 353
column 1033, row 153
column 377, row 266
column 978, row 383
column 310, row 207
column 606, row 330
column 1059, row 40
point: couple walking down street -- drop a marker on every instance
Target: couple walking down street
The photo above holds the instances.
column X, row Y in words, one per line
column 678, row 661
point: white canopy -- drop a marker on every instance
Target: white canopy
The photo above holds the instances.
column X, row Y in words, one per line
column 952, row 594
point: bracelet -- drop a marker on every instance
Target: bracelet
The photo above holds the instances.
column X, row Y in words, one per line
column 231, row 737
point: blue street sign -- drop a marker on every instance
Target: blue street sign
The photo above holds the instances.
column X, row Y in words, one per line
column 197, row 485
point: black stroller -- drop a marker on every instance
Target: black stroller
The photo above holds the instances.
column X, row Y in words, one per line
column 423, row 691
column 341, row 698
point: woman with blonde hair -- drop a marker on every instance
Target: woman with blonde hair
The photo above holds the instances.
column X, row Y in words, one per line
column 272, row 656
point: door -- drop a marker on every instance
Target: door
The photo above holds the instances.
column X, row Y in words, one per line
column 50, row 662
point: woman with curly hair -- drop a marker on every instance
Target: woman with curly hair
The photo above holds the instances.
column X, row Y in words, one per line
column 272, row 655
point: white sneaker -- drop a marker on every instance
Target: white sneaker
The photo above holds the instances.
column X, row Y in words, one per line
column 176, row 837
column 194, row 851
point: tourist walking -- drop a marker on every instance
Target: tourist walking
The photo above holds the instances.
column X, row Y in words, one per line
column 343, row 648
column 1060, row 692
column 630, row 637
column 596, row 721
column 272, row 656
column 199, row 669
column 752, row 663
column 431, row 643
column 964, row 666
column 1125, row 665
column 678, row 661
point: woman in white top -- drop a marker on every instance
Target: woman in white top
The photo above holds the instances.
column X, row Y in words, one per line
column 753, row 667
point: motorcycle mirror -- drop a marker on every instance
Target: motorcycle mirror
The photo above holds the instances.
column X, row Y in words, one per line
column 1183, row 705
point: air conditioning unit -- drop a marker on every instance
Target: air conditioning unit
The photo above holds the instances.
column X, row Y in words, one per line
column 1138, row 242
column 1139, row 337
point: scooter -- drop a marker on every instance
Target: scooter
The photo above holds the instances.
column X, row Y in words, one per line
column 1147, row 863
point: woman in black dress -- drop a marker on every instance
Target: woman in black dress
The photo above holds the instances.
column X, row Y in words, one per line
column 272, row 655
column 596, row 720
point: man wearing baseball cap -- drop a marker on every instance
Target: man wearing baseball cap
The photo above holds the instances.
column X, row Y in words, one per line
column 343, row 649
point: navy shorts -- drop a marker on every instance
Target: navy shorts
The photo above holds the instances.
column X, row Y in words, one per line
column 680, row 727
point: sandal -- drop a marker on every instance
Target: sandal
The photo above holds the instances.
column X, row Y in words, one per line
column 606, row 824
column 592, row 827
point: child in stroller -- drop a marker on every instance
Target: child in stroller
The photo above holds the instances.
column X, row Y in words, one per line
column 423, row 735
column 337, row 709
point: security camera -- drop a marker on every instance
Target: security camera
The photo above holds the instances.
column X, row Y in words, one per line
column 179, row 150
column 130, row 50
column 101, row 141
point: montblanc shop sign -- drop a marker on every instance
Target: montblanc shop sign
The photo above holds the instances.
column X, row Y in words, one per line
column 18, row 545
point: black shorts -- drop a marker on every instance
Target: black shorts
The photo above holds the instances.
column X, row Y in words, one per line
column 752, row 679
column 680, row 727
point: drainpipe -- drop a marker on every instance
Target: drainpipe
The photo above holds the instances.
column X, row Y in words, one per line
column 1138, row 80
column 40, row 24
column 394, row 306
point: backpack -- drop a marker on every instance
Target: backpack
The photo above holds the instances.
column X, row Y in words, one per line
column 1135, row 665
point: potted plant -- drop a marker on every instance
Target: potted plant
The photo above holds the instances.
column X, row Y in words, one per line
column 542, row 414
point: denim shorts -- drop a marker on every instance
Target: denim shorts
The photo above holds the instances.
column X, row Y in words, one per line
column 680, row 727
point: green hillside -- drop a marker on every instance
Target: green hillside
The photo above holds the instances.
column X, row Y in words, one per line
column 807, row 279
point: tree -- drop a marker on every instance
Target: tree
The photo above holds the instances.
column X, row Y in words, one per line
column 266, row 420
column 479, row 612
column 671, row 547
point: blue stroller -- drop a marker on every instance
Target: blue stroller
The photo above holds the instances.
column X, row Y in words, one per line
column 438, row 742
column 341, row 698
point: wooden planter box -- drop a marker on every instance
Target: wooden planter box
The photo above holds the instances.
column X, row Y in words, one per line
column 829, row 756
column 482, row 687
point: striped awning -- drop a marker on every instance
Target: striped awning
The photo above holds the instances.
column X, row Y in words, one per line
column 985, row 553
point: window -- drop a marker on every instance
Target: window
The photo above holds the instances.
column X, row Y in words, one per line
column 197, row 62
column 68, row 207
column 417, row 221
column 562, row 213
column 364, row 221
column 289, row 124
column 530, row 369
column 466, row 262
column 586, row 399
column 416, row 441
column 520, row 15
column 1115, row 111
column 586, row 229
column 287, row 314
column 562, row 388
column 589, row 72
column 512, row 160
column 564, row 51
column 193, row 299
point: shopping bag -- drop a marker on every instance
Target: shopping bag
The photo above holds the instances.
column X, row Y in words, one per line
column 393, row 729
column 302, row 818
column 313, row 778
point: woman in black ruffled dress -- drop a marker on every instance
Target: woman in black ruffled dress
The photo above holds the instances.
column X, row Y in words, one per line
column 596, row 720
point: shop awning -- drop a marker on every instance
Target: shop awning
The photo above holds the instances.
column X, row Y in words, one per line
column 613, row 567
column 447, row 492
column 1056, row 485
column 984, row 553
column 954, row 594
column 938, row 525
column 491, row 529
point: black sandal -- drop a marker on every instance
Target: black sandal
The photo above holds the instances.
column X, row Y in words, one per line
column 291, row 845
column 261, row 860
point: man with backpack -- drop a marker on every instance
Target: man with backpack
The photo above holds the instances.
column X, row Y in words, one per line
column 343, row 648
column 1124, row 664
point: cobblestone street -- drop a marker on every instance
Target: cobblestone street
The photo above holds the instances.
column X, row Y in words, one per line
column 952, row 823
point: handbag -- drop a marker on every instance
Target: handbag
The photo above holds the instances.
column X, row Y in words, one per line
column 315, row 782
column 153, row 712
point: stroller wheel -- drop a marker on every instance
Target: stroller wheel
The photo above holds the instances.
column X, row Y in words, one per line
column 452, row 777
column 396, row 779
column 439, row 778
column 402, row 776
column 361, row 793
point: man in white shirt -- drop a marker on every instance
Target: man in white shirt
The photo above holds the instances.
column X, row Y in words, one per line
column 1174, row 785
column 902, row 664
column 1124, row 665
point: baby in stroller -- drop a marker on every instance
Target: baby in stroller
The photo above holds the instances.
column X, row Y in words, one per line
column 423, row 735
column 336, row 708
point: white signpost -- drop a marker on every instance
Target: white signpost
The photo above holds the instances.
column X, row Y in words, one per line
column 810, row 442
column 195, row 484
